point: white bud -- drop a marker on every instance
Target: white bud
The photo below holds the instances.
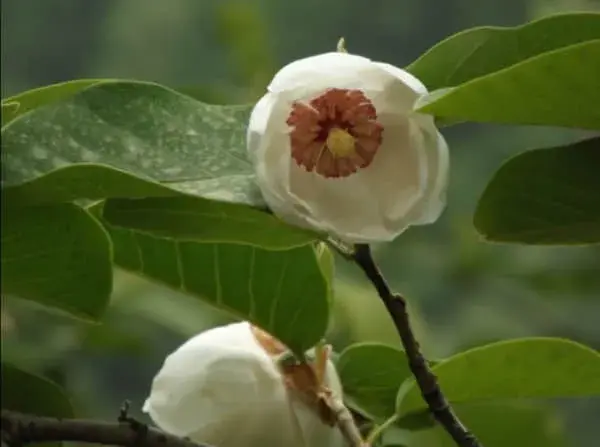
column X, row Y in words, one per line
column 222, row 388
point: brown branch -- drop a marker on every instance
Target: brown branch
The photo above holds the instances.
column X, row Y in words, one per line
column 425, row 378
column 19, row 429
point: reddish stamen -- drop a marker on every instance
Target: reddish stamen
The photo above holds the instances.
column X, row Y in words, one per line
column 348, row 110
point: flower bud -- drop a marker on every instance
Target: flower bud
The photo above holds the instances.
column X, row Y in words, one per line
column 337, row 148
column 224, row 388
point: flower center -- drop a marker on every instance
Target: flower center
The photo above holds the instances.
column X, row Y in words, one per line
column 340, row 142
column 335, row 134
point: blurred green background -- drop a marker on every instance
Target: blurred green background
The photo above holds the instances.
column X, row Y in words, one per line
column 463, row 291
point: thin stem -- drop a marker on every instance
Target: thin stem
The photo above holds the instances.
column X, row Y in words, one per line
column 19, row 429
column 378, row 430
column 426, row 380
column 347, row 252
column 345, row 423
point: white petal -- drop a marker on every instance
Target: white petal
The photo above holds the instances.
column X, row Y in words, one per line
column 436, row 149
column 307, row 78
column 206, row 388
column 272, row 158
column 398, row 94
column 342, row 206
column 401, row 172
column 405, row 77
column 371, row 204
column 267, row 148
column 257, row 126
column 310, row 69
column 314, row 432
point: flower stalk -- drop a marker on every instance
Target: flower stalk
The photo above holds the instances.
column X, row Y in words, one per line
column 425, row 378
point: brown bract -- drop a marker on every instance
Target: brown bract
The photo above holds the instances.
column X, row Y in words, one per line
column 305, row 380
column 336, row 133
column 270, row 344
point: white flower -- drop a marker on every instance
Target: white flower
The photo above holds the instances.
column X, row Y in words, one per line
column 222, row 388
column 338, row 148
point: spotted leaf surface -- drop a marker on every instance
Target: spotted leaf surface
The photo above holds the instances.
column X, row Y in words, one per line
column 115, row 139
column 142, row 129
column 31, row 99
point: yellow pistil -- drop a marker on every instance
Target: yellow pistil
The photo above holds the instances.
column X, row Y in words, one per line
column 340, row 143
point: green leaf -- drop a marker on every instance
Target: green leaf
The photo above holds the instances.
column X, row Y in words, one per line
column 326, row 261
column 28, row 393
column 193, row 218
column 57, row 255
column 82, row 181
column 544, row 196
column 371, row 374
column 480, row 51
column 118, row 139
column 523, row 368
column 284, row 292
column 501, row 425
column 39, row 97
column 9, row 109
column 551, row 89
column 162, row 212
column 114, row 342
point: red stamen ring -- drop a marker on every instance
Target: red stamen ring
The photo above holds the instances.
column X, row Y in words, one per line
column 347, row 110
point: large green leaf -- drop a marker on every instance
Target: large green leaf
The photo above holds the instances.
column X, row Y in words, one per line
column 148, row 131
column 31, row 99
column 28, row 393
column 480, row 51
column 158, row 208
column 371, row 374
column 284, row 292
column 57, row 255
column 138, row 140
column 545, row 196
column 523, row 368
column 499, row 425
column 9, row 108
column 502, row 425
column 193, row 218
column 80, row 181
column 557, row 88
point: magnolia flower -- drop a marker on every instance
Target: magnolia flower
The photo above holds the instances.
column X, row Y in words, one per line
column 337, row 147
column 224, row 388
